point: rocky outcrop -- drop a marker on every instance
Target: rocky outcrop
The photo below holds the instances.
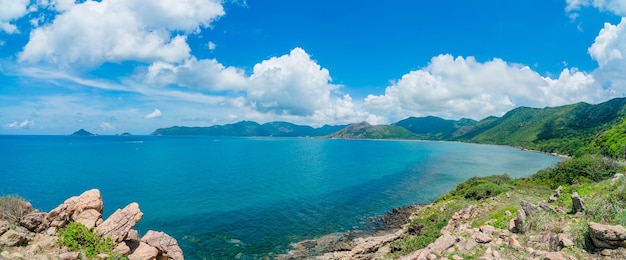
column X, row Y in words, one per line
column 35, row 235
column 607, row 236
column 165, row 243
column 74, row 206
column 120, row 223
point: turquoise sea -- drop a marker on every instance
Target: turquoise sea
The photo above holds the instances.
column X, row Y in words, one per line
column 221, row 196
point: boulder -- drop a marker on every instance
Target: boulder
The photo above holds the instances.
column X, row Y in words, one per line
column 607, row 236
column 120, row 222
column 72, row 207
column 559, row 190
column 89, row 218
column 512, row 227
column 35, row 221
column 12, row 238
column 164, row 243
column 69, row 256
column 482, row 238
column 556, row 256
column 529, row 208
column 144, row 252
column 442, row 243
column 578, row 205
column 4, row 226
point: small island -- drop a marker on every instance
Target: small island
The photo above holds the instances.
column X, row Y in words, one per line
column 82, row 132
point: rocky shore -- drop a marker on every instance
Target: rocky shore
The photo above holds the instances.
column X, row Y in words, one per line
column 36, row 234
column 540, row 228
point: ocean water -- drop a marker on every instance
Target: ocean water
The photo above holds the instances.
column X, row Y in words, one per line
column 222, row 196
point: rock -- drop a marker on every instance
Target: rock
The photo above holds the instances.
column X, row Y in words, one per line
column 520, row 220
column 607, row 236
column 507, row 213
column 578, row 205
column 89, row 218
column 616, row 178
column 564, row 241
column 482, row 238
column 442, row 243
column 12, row 238
column 545, row 206
column 512, row 226
column 68, row 256
column 487, row 229
column 555, row 256
column 73, row 206
column 35, row 221
column 122, row 248
column 559, row 190
column 120, row 222
column 515, row 244
column 164, row 243
column 553, row 243
column 4, row 226
column 144, row 252
column 133, row 235
column 529, row 208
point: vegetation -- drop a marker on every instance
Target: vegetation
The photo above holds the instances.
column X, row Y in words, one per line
column 77, row 237
column 478, row 188
column 586, row 168
column 249, row 128
column 364, row 130
column 13, row 207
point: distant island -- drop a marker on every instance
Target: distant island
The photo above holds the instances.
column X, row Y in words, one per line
column 568, row 130
column 82, row 132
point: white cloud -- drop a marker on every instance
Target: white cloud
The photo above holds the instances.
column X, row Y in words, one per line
column 462, row 87
column 107, row 126
column 609, row 50
column 206, row 74
column 10, row 11
column 291, row 84
column 17, row 125
column 211, row 46
column 91, row 33
column 154, row 114
column 615, row 6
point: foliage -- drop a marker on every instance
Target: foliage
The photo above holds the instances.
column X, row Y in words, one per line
column 13, row 207
column 77, row 237
column 479, row 188
column 498, row 218
column 609, row 205
column 612, row 142
column 586, row 168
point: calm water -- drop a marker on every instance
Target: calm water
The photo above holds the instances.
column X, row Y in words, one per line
column 224, row 196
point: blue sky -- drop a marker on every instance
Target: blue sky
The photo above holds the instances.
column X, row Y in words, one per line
column 116, row 66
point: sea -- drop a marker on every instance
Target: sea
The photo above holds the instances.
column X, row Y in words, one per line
column 227, row 197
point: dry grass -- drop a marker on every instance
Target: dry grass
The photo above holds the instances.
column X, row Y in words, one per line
column 13, row 207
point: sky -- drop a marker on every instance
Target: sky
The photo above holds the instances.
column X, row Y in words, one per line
column 114, row 66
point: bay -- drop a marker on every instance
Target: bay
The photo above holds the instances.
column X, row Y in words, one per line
column 221, row 196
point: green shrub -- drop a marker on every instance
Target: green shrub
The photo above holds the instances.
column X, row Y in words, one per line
column 13, row 207
column 586, row 168
column 77, row 237
column 484, row 190
column 478, row 188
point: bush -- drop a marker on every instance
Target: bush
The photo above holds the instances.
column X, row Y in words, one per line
column 13, row 208
column 586, row 168
column 77, row 237
column 484, row 190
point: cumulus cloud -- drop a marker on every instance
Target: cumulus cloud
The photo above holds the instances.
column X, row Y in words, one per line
column 91, row 33
column 154, row 114
column 609, row 50
column 615, row 6
column 206, row 74
column 17, row 125
column 463, row 87
column 291, row 84
column 10, row 11
column 211, row 46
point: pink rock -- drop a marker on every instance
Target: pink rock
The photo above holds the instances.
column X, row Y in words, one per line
column 144, row 252
column 74, row 206
column 89, row 218
column 165, row 243
column 120, row 223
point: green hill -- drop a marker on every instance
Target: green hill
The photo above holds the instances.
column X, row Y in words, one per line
column 249, row 128
column 434, row 128
column 364, row 130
